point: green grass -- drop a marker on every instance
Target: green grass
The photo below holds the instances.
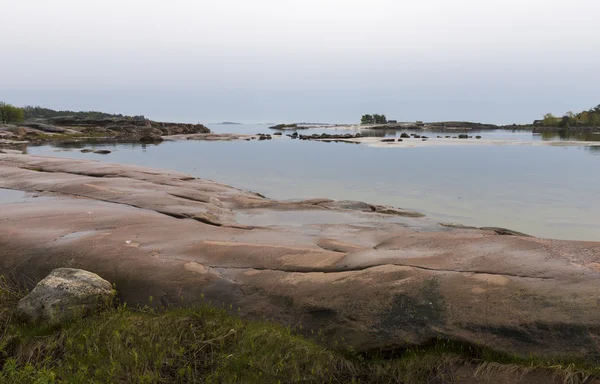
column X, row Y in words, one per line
column 212, row 345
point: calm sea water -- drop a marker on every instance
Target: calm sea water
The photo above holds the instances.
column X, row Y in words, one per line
column 545, row 191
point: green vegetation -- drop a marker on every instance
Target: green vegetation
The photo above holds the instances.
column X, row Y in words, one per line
column 39, row 112
column 373, row 119
column 10, row 114
column 211, row 345
column 589, row 118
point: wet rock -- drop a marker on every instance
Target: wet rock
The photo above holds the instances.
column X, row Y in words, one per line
column 478, row 137
column 350, row 205
column 463, row 136
column 388, row 140
column 86, row 150
column 400, row 140
column 102, row 151
column 64, row 295
column 404, row 135
column 277, row 134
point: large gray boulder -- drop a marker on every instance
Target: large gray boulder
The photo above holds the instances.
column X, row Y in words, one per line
column 64, row 295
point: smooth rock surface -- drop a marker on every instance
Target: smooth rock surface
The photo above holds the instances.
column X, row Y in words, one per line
column 63, row 295
column 381, row 281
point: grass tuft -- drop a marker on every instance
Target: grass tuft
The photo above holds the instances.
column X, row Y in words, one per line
column 205, row 344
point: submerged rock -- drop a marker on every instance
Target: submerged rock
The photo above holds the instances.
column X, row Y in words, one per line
column 64, row 295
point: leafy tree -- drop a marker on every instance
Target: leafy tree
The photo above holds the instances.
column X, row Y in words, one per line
column 39, row 112
column 564, row 123
column 590, row 118
column 367, row 119
column 10, row 114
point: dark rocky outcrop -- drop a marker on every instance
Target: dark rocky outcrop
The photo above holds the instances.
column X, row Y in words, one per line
column 288, row 126
column 146, row 131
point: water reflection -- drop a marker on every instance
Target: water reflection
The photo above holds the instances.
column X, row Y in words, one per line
column 570, row 135
column 94, row 144
column 594, row 150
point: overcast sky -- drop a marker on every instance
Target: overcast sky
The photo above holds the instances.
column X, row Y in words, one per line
column 303, row 60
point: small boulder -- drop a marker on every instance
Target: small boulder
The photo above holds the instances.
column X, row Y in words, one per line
column 19, row 131
column 64, row 295
column 478, row 137
column 86, row 150
column 102, row 151
column 277, row 134
column 463, row 136
column 405, row 135
column 388, row 140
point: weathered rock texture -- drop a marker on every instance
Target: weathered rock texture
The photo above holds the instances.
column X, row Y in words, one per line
column 346, row 269
column 63, row 295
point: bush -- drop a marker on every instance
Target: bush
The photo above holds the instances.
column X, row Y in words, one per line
column 10, row 114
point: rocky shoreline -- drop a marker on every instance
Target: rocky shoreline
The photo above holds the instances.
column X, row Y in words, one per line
column 378, row 277
column 60, row 128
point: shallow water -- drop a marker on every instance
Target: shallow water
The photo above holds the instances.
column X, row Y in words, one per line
column 541, row 190
column 9, row 196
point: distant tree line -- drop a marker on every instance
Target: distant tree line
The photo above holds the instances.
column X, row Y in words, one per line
column 373, row 119
column 589, row 118
column 31, row 112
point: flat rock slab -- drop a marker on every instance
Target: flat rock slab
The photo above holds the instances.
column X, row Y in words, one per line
column 379, row 281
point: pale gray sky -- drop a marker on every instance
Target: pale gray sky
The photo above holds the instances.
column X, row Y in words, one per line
column 500, row 61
